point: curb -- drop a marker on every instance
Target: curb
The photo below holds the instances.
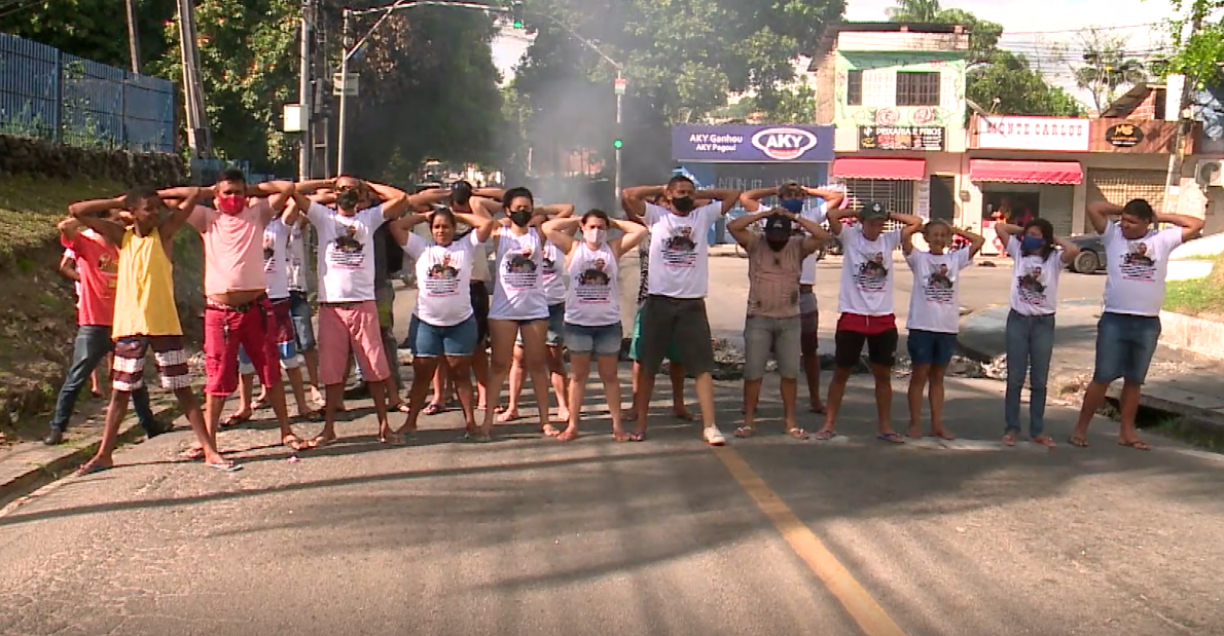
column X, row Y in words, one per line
column 40, row 475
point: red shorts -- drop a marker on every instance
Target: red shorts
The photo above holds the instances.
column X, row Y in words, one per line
column 254, row 328
column 350, row 328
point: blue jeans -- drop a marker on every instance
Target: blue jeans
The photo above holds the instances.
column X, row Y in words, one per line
column 431, row 341
column 1124, row 347
column 92, row 344
column 1030, row 345
column 299, row 311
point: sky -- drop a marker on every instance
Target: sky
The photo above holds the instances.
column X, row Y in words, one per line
column 1026, row 29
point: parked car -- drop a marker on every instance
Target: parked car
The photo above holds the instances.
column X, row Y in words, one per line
column 1091, row 258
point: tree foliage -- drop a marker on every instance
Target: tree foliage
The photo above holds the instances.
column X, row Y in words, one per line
column 92, row 29
column 681, row 59
column 1199, row 51
column 1105, row 68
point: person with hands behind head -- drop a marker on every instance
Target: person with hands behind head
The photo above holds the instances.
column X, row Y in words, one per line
column 348, row 312
column 867, row 310
column 1039, row 258
column 934, row 315
column 592, row 306
column 773, row 323
column 1137, row 262
column 678, row 284
column 519, row 303
column 145, row 312
column 792, row 197
column 444, row 322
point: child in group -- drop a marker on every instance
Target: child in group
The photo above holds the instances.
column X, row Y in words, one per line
column 1039, row 258
column 934, row 315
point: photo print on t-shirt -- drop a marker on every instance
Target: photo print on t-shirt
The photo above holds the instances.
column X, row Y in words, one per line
column 1030, row 289
column 594, row 284
column 938, row 288
column 521, row 271
column 442, row 278
column 872, row 274
column 348, row 249
column 680, row 250
column 269, row 252
column 1137, row 265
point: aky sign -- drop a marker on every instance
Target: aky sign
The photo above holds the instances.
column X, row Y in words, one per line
column 753, row 144
column 784, row 144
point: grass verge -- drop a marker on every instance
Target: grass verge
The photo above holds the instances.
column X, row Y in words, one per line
column 1201, row 296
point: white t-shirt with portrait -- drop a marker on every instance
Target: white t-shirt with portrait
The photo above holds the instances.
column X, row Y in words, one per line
column 276, row 258
column 935, row 299
column 346, row 252
column 553, row 274
column 443, row 275
column 1034, row 285
column 679, row 251
column 1136, row 270
column 818, row 214
column 867, row 272
column 518, row 292
column 296, row 273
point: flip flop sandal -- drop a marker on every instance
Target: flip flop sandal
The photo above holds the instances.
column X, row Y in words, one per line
column 404, row 407
column 88, row 469
column 1044, row 440
column 637, row 436
column 798, row 433
column 1078, row 441
column 1010, row 439
column 260, row 404
column 824, row 436
column 891, row 438
column 1135, row 444
column 226, row 467
column 433, row 408
column 192, row 454
column 744, row 432
column 235, row 420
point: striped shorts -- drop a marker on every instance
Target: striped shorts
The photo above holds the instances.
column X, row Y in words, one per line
column 130, row 351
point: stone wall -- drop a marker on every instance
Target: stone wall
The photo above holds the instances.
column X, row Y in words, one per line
column 25, row 155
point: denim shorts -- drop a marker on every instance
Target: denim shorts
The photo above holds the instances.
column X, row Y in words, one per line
column 930, row 347
column 430, row 341
column 1124, row 347
column 600, row 341
column 778, row 337
column 556, row 327
column 299, row 310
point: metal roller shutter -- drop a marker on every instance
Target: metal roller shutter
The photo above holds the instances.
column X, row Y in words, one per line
column 895, row 195
column 1120, row 186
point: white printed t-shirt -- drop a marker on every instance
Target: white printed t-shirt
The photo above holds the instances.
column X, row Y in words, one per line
column 1034, row 285
column 1136, row 270
column 346, row 252
column 443, row 275
column 276, row 259
column 867, row 273
column 518, row 293
column 553, row 274
column 817, row 214
column 297, row 259
column 935, row 299
column 679, row 252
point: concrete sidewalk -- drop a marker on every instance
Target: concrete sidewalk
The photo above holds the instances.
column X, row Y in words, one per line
column 1179, row 383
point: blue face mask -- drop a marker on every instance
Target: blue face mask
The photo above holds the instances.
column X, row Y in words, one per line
column 794, row 206
column 1031, row 244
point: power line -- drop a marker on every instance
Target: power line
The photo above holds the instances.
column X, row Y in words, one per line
column 1084, row 29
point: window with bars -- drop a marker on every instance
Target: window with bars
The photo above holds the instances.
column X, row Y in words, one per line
column 895, row 196
column 854, row 88
column 918, row 88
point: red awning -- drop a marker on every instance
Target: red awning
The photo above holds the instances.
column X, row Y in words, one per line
column 1052, row 172
column 879, row 168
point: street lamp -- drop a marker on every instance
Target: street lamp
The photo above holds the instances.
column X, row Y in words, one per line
column 350, row 50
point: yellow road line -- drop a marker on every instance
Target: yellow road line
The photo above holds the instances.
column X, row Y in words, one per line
column 865, row 611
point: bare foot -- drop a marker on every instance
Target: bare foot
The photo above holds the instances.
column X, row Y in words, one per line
column 95, row 465
column 508, row 415
column 563, row 415
column 193, row 453
column 323, row 439
column 943, row 433
column 629, row 416
column 388, row 436
column 914, row 432
column 316, row 396
column 568, row 435
column 550, row 431
column 620, row 435
column 293, row 441
column 817, row 408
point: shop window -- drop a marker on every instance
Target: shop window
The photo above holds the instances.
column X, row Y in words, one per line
column 1016, row 208
column 918, row 88
column 854, row 88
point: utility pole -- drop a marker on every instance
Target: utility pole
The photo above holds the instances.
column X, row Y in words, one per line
column 133, row 36
column 620, row 94
column 1184, row 123
column 197, row 119
column 344, row 66
column 305, row 101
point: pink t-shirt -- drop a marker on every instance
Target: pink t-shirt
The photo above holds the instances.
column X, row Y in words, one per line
column 97, row 264
column 233, row 247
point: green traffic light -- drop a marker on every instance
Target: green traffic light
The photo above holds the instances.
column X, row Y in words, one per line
column 618, row 143
column 518, row 24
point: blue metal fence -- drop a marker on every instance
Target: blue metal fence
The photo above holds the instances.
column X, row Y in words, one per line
column 47, row 93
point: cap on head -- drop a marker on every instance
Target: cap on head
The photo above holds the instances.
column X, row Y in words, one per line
column 778, row 225
column 873, row 211
column 461, row 192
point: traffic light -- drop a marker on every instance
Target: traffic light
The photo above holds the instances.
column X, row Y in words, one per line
column 618, row 144
column 516, row 13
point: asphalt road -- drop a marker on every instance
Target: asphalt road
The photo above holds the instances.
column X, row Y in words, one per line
column 530, row 536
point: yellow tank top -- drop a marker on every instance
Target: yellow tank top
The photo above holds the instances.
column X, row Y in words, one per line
column 144, row 300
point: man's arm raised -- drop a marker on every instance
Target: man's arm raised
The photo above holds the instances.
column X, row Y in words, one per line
column 727, row 197
column 395, row 201
column 87, row 213
column 751, row 200
column 171, row 226
column 633, row 201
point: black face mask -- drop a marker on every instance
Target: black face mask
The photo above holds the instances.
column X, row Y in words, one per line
column 347, row 199
column 683, row 204
column 776, row 244
column 521, row 218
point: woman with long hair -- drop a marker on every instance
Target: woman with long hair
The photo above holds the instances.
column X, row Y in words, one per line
column 519, row 302
column 444, row 322
column 1039, row 258
column 592, row 306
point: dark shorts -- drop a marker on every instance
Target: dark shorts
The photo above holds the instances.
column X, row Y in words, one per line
column 301, row 313
column 930, row 347
column 809, row 322
column 881, row 347
column 1124, row 347
column 682, row 319
column 480, row 305
column 635, row 340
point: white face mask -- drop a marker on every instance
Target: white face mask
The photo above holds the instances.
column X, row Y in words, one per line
column 594, row 235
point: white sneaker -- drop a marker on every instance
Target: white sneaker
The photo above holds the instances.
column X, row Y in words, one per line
column 713, row 436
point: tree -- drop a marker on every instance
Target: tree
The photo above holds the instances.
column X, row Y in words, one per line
column 983, row 34
column 1199, row 50
column 914, row 11
column 1105, row 68
column 1007, row 85
column 93, row 29
column 681, row 59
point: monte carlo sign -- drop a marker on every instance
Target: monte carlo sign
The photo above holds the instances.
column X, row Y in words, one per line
column 753, row 144
column 1066, row 134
